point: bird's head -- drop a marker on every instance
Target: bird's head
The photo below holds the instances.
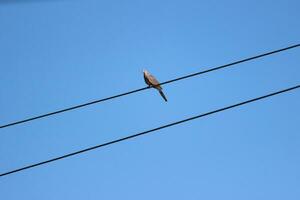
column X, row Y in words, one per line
column 145, row 71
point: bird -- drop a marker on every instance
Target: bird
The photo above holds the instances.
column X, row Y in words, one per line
column 151, row 81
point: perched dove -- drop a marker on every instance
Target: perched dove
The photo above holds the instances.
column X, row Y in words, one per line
column 152, row 82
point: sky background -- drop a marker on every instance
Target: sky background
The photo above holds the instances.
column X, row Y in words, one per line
column 60, row 53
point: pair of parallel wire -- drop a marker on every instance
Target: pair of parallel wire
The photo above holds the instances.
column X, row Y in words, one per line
column 155, row 129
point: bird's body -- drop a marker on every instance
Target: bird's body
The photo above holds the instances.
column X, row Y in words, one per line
column 151, row 81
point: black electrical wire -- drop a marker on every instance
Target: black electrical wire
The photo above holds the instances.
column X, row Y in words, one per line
column 149, row 131
column 144, row 88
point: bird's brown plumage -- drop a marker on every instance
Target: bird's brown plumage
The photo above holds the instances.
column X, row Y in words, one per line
column 153, row 82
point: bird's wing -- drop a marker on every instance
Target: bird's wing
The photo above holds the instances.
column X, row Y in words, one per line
column 153, row 81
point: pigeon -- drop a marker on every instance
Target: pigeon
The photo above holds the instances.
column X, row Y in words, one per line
column 151, row 81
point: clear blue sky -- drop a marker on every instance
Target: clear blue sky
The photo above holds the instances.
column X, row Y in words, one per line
column 60, row 53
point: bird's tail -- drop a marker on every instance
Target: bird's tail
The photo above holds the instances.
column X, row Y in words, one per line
column 163, row 95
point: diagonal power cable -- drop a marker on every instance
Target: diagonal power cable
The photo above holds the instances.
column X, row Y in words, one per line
column 144, row 88
column 150, row 131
